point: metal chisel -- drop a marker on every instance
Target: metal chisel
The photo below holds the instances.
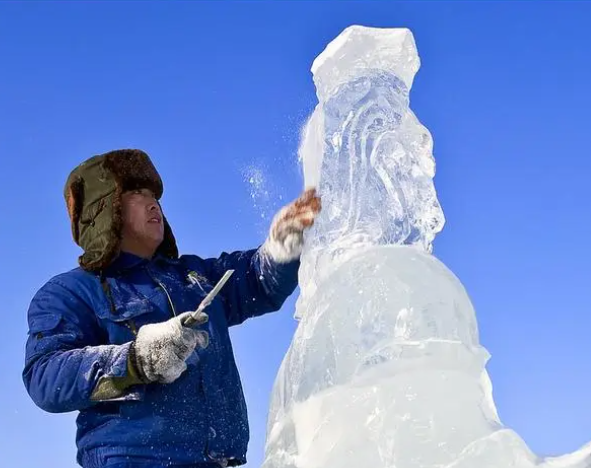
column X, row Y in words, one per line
column 195, row 316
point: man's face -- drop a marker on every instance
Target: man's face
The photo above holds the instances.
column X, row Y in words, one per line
column 143, row 226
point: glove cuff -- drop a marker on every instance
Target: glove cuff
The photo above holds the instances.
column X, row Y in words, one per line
column 283, row 252
column 134, row 368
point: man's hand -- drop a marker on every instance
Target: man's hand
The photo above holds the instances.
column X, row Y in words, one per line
column 286, row 236
column 159, row 351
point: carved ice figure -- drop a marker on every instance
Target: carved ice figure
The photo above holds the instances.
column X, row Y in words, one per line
column 385, row 369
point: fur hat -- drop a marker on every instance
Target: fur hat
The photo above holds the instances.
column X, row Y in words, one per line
column 93, row 196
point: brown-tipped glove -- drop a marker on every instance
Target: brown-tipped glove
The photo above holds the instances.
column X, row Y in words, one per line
column 159, row 351
column 286, row 236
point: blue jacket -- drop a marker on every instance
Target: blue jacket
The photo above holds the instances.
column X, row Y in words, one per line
column 77, row 335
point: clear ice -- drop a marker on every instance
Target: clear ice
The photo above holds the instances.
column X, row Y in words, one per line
column 385, row 369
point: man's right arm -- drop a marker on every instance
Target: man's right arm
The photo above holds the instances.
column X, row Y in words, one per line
column 66, row 366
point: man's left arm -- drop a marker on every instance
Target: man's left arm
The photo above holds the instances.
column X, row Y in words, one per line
column 265, row 277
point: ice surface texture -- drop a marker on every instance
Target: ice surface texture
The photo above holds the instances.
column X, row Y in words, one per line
column 385, row 369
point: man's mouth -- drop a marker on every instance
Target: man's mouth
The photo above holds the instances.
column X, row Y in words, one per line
column 155, row 219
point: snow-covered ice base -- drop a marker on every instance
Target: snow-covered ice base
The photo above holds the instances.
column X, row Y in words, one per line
column 385, row 369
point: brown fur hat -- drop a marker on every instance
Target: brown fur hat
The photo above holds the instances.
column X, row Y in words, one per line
column 93, row 196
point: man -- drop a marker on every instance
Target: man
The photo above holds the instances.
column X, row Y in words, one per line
column 112, row 340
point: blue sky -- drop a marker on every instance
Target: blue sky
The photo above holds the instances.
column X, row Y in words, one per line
column 217, row 92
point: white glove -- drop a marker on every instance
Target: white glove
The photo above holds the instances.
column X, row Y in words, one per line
column 159, row 351
column 286, row 236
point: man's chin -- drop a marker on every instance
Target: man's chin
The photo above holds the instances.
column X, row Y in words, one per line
column 154, row 241
column 155, row 234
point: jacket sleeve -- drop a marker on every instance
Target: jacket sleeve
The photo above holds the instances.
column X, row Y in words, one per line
column 258, row 286
column 66, row 366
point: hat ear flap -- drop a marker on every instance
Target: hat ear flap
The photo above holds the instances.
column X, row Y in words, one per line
column 168, row 246
column 74, row 203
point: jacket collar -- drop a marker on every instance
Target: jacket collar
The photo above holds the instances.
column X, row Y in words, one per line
column 127, row 261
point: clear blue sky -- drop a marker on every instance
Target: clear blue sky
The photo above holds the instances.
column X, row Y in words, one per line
column 215, row 91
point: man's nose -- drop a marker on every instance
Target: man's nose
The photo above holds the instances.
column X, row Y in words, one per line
column 153, row 206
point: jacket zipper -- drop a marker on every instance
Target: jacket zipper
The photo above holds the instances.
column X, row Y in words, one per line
column 172, row 308
column 168, row 297
column 131, row 325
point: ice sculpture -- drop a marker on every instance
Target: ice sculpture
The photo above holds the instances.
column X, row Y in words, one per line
column 385, row 368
